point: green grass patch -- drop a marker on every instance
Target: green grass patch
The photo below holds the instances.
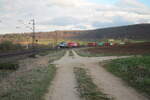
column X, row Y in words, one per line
column 87, row 89
column 134, row 70
column 30, row 86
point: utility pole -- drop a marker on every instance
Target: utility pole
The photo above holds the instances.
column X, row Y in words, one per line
column 56, row 38
column 33, row 34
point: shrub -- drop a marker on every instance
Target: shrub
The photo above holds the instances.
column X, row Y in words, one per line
column 9, row 66
column 8, row 45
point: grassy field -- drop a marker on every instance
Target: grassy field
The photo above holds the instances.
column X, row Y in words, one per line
column 87, row 89
column 135, row 70
column 116, row 50
column 30, row 84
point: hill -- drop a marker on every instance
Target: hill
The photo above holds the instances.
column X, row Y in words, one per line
column 135, row 32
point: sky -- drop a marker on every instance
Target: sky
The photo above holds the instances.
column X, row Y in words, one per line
column 51, row 15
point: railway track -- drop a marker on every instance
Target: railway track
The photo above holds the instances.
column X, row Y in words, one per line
column 29, row 52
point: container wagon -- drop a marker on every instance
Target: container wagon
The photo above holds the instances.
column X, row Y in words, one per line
column 92, row 44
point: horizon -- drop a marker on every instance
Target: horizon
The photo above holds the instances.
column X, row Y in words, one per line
column 51, row 15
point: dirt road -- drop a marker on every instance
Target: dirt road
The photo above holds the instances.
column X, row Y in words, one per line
column 63, row 87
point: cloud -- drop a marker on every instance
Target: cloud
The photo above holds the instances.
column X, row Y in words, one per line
column 117, row 21
column 71, row 14
column 69, row 3
column 63, row 21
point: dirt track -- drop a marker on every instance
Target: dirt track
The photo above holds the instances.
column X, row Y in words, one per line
column 63, row 87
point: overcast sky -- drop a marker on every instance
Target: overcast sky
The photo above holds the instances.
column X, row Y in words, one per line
column 53, row 15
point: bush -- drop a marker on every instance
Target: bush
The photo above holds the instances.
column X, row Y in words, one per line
column 8, row 45
column 9, row 66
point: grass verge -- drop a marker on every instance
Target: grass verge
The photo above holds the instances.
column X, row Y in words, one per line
column 30, row 86
column 135, row 70
column 87, row 89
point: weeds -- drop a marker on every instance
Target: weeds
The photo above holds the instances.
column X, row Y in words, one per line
column 8, row 45
column 87, row 89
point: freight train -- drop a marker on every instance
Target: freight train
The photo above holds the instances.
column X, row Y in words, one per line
column 89, row 44
column 104, row 44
